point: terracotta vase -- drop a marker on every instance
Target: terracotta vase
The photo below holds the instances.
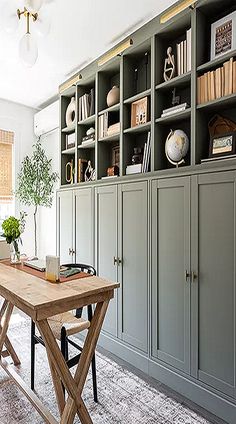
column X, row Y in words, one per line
column 70, row 113
column 113, row 96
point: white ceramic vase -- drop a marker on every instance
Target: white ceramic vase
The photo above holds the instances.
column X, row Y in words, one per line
column 70, row 113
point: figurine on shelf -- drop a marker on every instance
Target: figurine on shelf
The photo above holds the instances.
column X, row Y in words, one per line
column 175, row 99
column 89, row 174
column 169, row 67
column 137, row 156
column 70, row 172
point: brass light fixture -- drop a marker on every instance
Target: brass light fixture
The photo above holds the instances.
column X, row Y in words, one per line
column 115, row 52
column 177, row 9
column 31, row 13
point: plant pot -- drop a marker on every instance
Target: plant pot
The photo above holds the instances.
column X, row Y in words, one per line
column 113, row 96
column 70, row 113
column 15, row 252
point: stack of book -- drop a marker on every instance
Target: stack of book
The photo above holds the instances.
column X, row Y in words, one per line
column 184, row 54
column 174, row 109
column 144, row 166
column 113, row 129
column 105, row 129
column 103, row 125
column 216, row 84
column 86, row 105
column 88, row 139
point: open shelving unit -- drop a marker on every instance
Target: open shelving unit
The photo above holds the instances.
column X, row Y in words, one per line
column 138, row 72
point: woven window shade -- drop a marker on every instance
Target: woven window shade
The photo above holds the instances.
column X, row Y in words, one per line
column 6, row 148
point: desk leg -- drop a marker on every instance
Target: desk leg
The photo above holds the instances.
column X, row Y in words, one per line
column 74, row 386
column 83, row 366
column 7, row 342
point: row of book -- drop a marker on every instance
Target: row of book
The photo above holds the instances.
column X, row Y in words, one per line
column 216, row 84
column 86, row 105
column 87, row 140
column 184, row 54
column 144, row 166
column 106, row 129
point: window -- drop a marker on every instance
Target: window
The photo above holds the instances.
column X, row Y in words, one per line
column 6, row 175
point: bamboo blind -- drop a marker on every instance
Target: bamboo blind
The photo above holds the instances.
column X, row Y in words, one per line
column 6, row 150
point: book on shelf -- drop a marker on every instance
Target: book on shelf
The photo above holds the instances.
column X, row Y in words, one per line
column 107, row 177
column 82, row 165
column 219, row 158
column 175, row 109
column 134, row 169
column 113, row 129
column 90, row 137
column 86, row 105
column 146, row 153
column 184, row 54
column 103, row 125
column 215, row 84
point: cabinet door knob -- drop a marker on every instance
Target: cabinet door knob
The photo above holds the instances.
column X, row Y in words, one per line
column 193, row 276
column 187, row 275
column 119, row 261
column 70, row 251
column 115, row 260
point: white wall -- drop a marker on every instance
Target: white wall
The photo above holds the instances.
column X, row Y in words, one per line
column 19, row 118
column 47, row 216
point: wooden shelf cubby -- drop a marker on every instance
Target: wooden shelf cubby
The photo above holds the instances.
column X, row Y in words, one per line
column 138, row 72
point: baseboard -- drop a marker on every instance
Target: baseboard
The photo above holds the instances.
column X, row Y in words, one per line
column 187, row 387
column 124, row 352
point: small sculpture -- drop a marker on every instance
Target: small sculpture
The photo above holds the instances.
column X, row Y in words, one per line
column 89, row 174
column 175, row 99
column 169, row 67
column 70, row 172
column 90, row 131
column 70, row 113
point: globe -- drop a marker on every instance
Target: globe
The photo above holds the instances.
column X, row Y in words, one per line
column 177, row 146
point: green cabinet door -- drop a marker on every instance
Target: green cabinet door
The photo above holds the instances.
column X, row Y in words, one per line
column 214, row 288
column 133, row 271
column 106, row 246
column 170, row 262
column 84, row 225
column 65, row 226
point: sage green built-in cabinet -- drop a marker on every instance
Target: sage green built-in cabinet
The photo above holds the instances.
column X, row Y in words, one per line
column 193, row 288
column 170, row 271
column 214, row 288
column 75, row 217
column 121, row 255
column 170, row 242
column 106, row 245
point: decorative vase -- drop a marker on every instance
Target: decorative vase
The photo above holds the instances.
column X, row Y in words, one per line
column 113, row 96
column 70, row 113
column 15, row 252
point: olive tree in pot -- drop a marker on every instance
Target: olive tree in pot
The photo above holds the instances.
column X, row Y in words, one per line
column 36, row 181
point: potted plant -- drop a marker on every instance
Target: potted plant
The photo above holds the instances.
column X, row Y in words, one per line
column 36, row 182
column 13, row 228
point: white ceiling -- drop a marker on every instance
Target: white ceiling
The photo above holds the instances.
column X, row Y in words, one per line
column 80, row 32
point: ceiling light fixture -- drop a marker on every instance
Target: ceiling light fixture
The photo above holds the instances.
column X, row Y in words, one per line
column 28, row 48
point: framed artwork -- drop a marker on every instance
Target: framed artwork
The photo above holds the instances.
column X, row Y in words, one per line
column 223, row 35
column 139, row 112
column 223, row 145
column 116, row 156
column 70, row 141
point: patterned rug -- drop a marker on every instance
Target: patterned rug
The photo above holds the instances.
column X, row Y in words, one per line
column 124, row 398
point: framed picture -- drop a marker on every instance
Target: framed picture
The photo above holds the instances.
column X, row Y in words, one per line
column 116, row 156
column 70, row 140
column 223, row 35
column 223, row 145
column 139, row 112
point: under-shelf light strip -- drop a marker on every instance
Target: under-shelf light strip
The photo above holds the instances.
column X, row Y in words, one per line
column 115, row 52
column 177, row 9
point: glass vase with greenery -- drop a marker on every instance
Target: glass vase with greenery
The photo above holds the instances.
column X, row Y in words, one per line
column 12, row 230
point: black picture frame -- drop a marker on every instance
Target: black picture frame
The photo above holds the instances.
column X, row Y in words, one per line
column 222, row 145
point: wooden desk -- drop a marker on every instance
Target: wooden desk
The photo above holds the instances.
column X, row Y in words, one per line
column 40, row 300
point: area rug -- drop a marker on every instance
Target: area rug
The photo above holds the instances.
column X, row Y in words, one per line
column 124, row 398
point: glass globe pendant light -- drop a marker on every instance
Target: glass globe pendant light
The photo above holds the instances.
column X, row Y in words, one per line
column 33, row 5
column 28, row 49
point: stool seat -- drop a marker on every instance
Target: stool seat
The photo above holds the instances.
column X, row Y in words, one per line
column 71, row 324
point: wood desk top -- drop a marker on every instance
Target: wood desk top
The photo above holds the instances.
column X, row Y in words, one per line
column 40, row 299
